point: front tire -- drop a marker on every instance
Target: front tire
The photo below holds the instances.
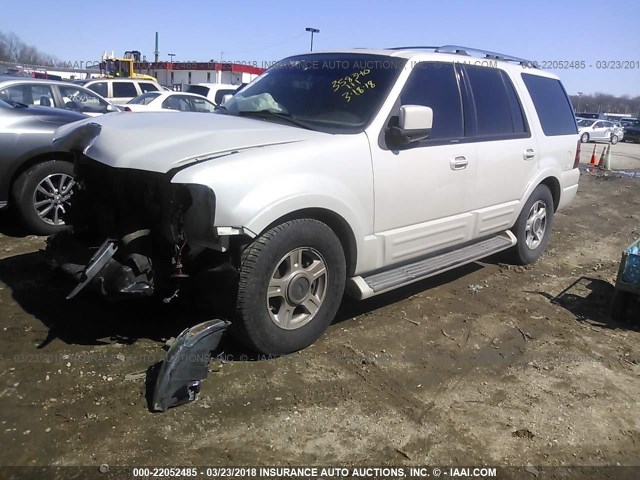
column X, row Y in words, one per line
column 42, row 195
column 291, row 283
column 613, row 139
column 533, row 227
column 584, row 138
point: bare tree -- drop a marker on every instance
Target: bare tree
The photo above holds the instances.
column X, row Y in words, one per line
column 13, row 49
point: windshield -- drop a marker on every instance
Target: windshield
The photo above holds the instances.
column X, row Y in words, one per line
column 335, row 93
column 145, row 98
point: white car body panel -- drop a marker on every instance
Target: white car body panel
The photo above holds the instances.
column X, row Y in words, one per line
column 276, row 180
column 159, row 142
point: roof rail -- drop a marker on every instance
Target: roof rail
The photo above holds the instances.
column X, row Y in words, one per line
column 477, row 52
column 414, row 48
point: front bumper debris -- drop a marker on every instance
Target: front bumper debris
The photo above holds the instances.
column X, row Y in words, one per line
column 186, row 365
column 111, row 270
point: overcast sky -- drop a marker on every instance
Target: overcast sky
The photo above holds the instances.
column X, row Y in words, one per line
column 593, row 32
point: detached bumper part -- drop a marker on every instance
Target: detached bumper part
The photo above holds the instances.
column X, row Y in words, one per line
column 107, row 271
column 186, row 364
column 101, row 258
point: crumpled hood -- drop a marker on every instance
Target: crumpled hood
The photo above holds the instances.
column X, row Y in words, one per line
column 162, row 141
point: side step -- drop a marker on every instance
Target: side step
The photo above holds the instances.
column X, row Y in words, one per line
column 365, row 287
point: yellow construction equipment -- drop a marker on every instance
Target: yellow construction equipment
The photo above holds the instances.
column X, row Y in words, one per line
column 112, row 67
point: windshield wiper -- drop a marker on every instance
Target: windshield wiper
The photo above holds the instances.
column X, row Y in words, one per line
column 269, row 113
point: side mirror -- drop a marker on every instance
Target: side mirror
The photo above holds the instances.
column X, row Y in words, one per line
column 112, row 108
column 226, row 98
column 414, row 123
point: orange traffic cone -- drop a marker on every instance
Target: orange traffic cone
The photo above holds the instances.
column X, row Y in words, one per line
column 593, row 157
column 601, row 162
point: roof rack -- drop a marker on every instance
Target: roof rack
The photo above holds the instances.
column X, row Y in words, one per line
column 477, row 52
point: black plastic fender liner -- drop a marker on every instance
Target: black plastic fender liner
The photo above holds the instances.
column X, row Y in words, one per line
column 186, row 364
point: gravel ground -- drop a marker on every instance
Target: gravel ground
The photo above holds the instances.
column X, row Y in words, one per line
column 490, row 364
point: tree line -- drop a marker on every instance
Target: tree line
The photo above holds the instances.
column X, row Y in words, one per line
column 14, row 50
column 605, row 103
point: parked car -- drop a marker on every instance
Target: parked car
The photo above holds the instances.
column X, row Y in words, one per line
column 36, row 178
column 598, row 130
column 628, row 121
column 120, row 90
column 168, row 102
column 632, row 132
column 53, row 93
column 215, row 92
column 372, row 169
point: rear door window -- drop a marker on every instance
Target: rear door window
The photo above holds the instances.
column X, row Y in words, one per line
column 552, row 105
column 498, row 111
column 180, row 103
column 124, row 89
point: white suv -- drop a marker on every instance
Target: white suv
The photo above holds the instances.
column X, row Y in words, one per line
column 369, row 169
column 120, row 90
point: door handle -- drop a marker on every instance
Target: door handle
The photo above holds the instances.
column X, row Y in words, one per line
column 459, row 163
column 529, row 154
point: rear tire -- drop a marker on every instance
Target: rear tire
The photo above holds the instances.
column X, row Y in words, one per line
column 533, row 227
column 584, row 138
column 291, row 284
column 42, row 195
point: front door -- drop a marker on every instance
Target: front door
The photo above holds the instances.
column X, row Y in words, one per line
column 422, row 190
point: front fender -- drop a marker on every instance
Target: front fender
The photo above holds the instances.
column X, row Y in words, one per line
column 254, row 189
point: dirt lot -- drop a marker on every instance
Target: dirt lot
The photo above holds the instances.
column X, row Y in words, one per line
column 491, row 364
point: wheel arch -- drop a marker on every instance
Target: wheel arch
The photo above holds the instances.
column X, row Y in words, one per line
column 554, row 185
column 335, row 222
column 31, row 161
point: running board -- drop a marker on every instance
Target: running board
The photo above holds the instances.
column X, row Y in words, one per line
column 365, row 287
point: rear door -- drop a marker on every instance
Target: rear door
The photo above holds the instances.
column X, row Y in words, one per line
column 506, row 151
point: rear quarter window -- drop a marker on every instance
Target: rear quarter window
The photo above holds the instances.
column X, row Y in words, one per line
column 147, row 87
column 552, row 105
column 199, row 89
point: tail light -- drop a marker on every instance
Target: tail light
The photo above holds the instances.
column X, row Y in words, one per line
column 576, row 161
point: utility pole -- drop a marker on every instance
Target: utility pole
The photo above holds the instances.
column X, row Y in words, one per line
column 312, row 30
column 156, row 52
column 579, row 98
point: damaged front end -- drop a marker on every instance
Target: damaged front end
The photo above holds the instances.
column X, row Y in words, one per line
column 137, row 234
column 133, row 231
